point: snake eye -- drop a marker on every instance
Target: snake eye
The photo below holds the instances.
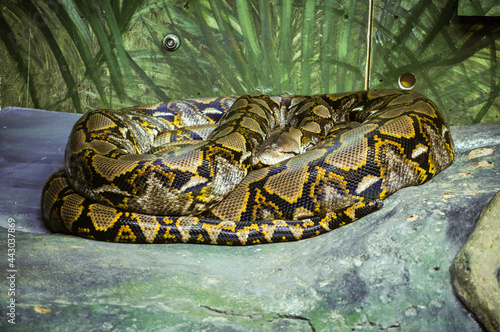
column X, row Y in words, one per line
column 171, row 42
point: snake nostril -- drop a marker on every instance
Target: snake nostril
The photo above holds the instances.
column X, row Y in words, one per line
column 407, row 81
column 171, row 42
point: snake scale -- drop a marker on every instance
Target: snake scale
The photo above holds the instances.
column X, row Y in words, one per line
column 239, row 171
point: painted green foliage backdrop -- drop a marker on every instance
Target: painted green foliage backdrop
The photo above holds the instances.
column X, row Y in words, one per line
column 76, row 56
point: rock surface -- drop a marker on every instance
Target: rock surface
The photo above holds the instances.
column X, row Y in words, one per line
column 387, row 271
column 476, row 268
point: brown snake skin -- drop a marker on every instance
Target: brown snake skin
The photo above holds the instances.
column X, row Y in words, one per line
column 240, row 171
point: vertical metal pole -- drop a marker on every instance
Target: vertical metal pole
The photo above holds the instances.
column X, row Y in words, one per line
column 369, row 45
column 29, row 68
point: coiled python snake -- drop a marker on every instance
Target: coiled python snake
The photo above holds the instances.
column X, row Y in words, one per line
column 240, row 171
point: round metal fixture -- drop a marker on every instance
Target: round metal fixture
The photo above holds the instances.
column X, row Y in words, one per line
column 407, row 81
column 171, row 42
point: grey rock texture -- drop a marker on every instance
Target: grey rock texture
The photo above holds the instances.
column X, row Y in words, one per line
column 387, row 271
column 476, row 268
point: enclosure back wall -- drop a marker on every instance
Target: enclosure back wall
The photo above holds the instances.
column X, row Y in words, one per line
column 76, row 56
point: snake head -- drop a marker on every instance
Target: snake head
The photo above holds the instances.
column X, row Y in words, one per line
column 282, row 145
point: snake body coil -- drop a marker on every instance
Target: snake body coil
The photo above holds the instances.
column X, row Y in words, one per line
column 246, row 170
